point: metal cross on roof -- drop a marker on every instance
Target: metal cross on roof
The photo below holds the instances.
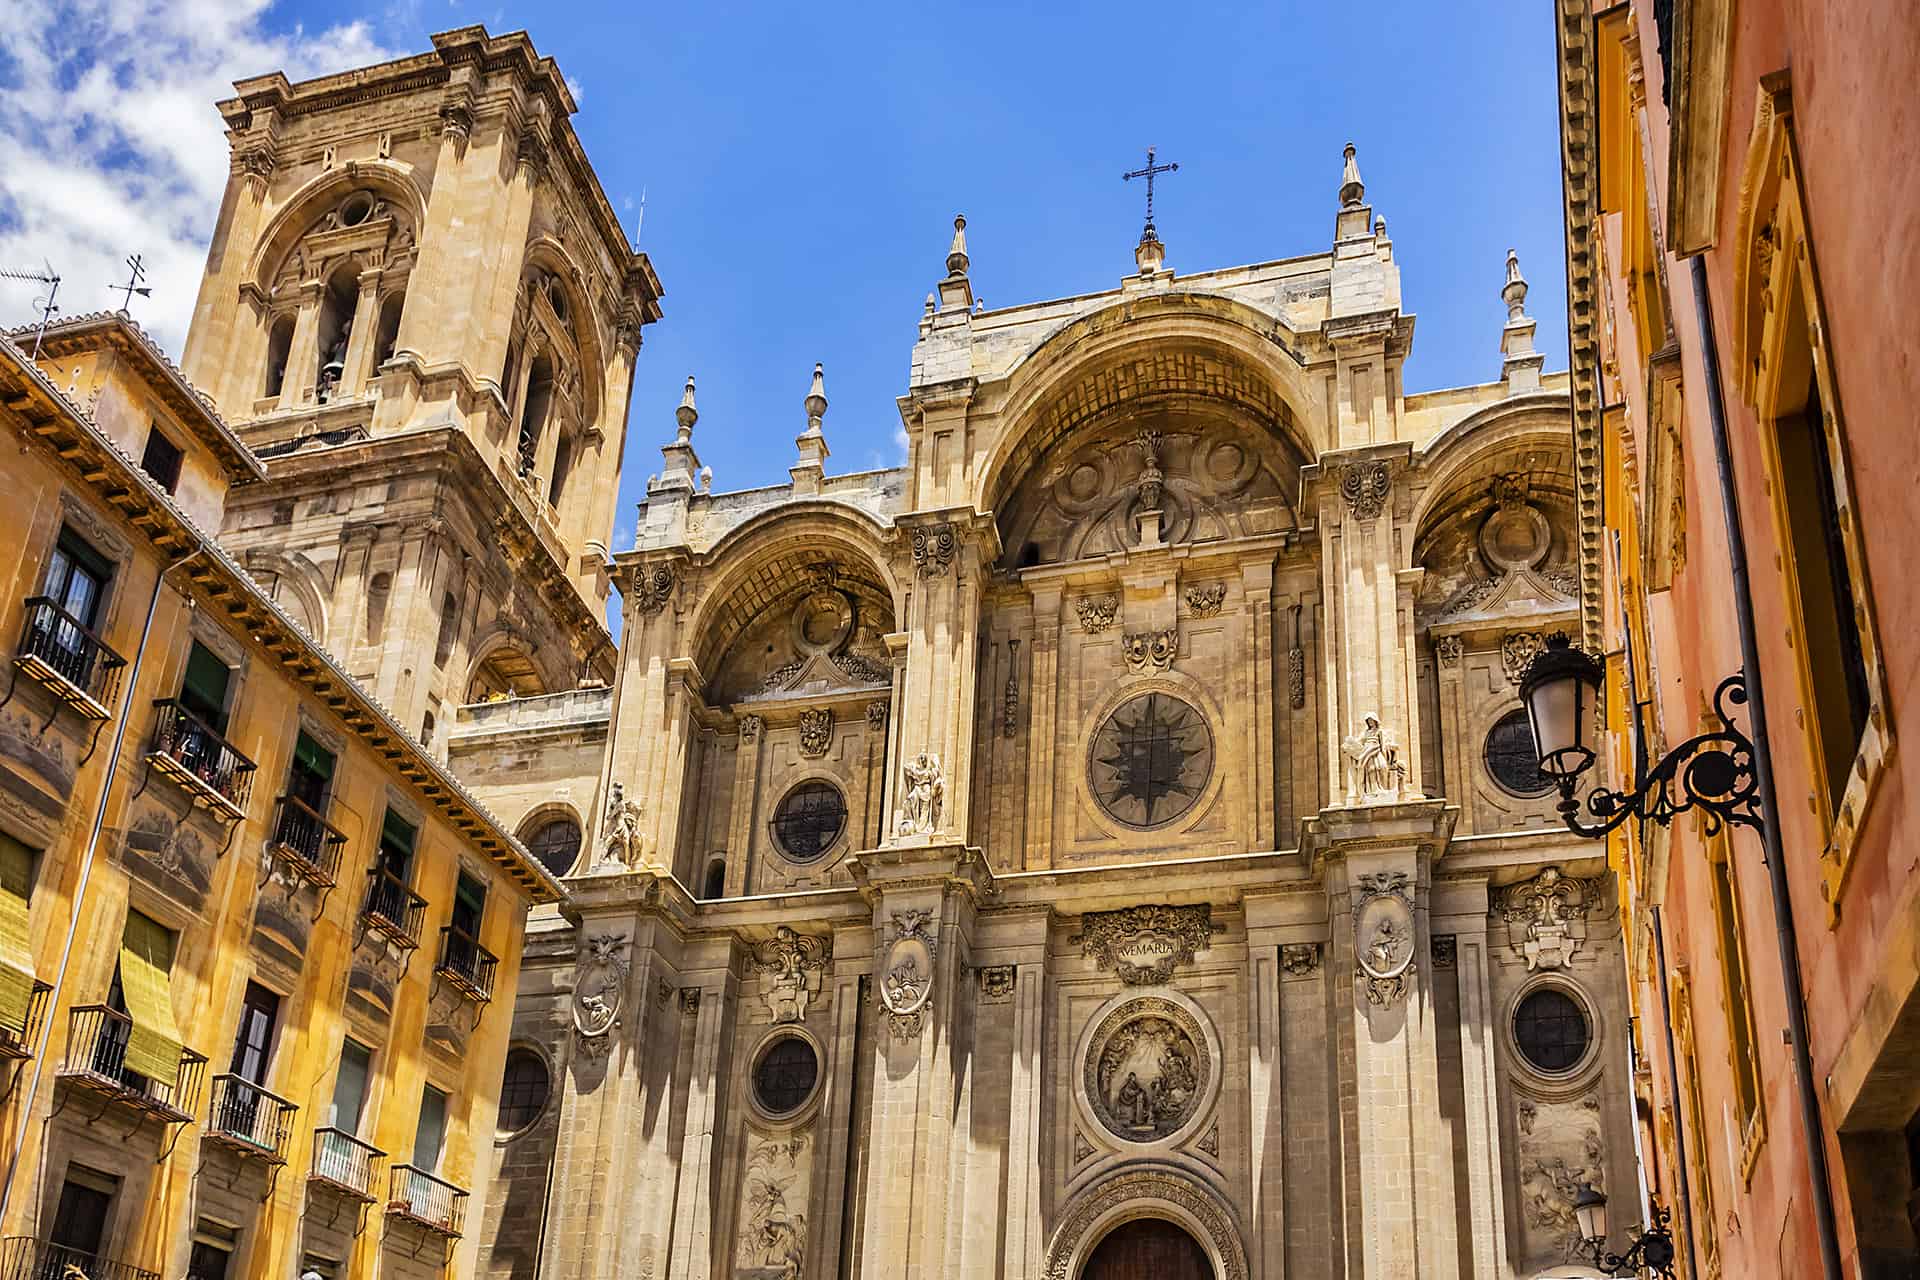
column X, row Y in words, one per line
column 1148, row 172
column 133, row 285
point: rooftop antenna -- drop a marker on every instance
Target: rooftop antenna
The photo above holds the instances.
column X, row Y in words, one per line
column 133, row 285
column 46, row 306
column 640, row 220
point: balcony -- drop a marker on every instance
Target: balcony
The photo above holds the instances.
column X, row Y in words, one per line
column 309, row 843
column 248, row 1120
column 20, row 1047
column 96, row 1061
column 71, row 662
column 345, row 1165
column 393, row 910
column 23, row 1258
column 466, row 964
column 186, row 749
column 426, row 1201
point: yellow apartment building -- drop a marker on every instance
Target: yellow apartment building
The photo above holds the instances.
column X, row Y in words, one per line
column 257, row 946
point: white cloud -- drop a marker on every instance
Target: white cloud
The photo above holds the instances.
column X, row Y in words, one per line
column 578, row 90
column 110, row 143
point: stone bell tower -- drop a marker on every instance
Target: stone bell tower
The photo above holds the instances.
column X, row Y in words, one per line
column 420, row 308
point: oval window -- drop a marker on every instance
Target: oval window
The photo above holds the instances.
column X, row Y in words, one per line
column 1551, row 1030
column 784, row 1077
column 523, row 1090
column 809, row 819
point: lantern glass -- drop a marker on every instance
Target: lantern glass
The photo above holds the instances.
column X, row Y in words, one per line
column 1590, row 1210
column 1560, row 692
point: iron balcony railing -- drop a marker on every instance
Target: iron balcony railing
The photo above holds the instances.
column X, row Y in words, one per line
column 393, row 908
column 467, row 964
column 24, row 1258
column 307, row 840
column 431, row 1202
column 187, row 748
column 345, row 1164
column 97, row 1061
column 249, row 1119
column 21, row 1046
column 56, row 644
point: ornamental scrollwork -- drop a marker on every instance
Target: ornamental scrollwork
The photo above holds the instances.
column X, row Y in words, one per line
column 1096, row 613
column 1143, row 945
column 1150, row 651
column 652, row 588
column 933, row 547
column 1366, row 487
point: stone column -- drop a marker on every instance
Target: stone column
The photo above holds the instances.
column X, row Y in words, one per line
column 360, row 343
column 746, row 803
column 1026, row 1238
column 611, row 1206
column 694, row 1209
column 1256, row 585
column 1399, row 1186
column 1266, row 1087
column 838, row 1142
column 1043, row 703
column 923, row 898
column 1369, row 671
column 1485, row 1192
column 947, row 560
column 303, row 354
column 638, row 735
column 214, row 355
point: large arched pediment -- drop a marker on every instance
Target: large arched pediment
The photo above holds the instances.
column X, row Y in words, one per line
column 307, row 212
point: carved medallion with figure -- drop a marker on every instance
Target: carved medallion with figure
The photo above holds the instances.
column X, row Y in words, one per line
column 1147, row 1068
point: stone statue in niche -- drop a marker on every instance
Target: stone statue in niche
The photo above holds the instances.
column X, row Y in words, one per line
column 926, row 791
column 1376, row 772
column 620, row 845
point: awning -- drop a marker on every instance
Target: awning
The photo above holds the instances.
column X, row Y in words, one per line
column 146, row 963
column 16, row 956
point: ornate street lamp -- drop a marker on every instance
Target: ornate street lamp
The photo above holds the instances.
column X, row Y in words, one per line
column 1652, row 1252
column 1712, row 772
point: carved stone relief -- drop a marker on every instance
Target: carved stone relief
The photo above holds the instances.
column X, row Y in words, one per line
column 790, row 965
column 933, row 547
column 620, row 840
column 1204, row 601
column 1146, row 1187
column 816, row 732
column 1010, row 700
column 1143, row 945
column 1547, row 916
column 1150, row 651
column 1148, row 1065
column 168, row 853
column 653, row 588
column 599, row 986
column 1561, row 1147
column 1448, row 649
column 997, row 983
column 876, row 714
column 1374, row 770
column 1366, row 486
column 906, row 981
column 773, row 1209
column 1299, row 959
column 1517, row 650
column 1096, row 613
column 1383, row 941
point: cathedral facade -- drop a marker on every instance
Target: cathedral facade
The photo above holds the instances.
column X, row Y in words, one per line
column 1107, row 844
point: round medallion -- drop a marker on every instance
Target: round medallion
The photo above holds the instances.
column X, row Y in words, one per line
column 1147, row 1068
column 1151, row 759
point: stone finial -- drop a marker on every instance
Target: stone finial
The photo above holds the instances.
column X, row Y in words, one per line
column 816, row 396
column 957, row 254
column 1520, row 364
column 1514, row 291
column 686, row 415
column 807, row 472
column 1352, row 190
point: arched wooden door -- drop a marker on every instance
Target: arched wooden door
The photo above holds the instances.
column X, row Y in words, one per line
column 1148, row 1249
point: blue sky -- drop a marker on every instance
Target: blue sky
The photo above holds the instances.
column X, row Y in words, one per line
column 802, row 165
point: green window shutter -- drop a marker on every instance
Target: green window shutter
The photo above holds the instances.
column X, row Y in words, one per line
column 205, row 688
column 314, row 758
column 16, row 953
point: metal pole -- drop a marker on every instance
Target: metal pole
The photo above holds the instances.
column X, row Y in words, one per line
column 1784, row 931
column 1679, row 1112
column 80, row 890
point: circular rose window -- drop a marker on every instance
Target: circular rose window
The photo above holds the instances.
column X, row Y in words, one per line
column 1150, row 760
column 1551, row 1030
column 784, row 1077
column 809, row 819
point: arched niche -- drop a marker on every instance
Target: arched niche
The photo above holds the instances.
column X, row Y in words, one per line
column 502, row 669
column 1152, row 1192
column 396, row 208
column 1495, row 524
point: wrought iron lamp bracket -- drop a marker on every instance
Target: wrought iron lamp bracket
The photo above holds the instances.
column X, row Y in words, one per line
column 1652, row 1253
column 1712, row 772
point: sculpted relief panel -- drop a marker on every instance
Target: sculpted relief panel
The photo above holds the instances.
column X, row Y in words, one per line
column 1201, row 481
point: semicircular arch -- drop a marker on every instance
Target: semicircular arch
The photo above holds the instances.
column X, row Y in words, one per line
column 306, row 205
column 583, row 320
column 767, row 558
column 1175, row 344
column 1535, row 424
column 1153, row 1191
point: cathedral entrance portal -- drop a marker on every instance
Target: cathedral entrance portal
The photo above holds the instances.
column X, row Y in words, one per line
column 1148, row 1249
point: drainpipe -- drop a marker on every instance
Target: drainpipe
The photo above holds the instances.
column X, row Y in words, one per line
column 86, row 871
column 1784, row 931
